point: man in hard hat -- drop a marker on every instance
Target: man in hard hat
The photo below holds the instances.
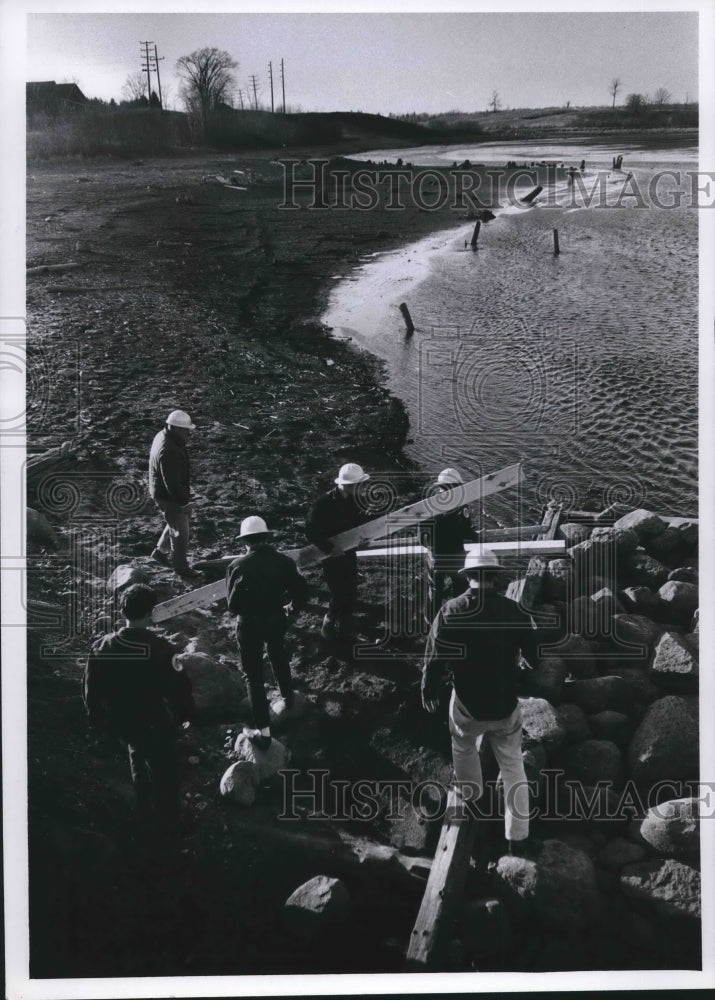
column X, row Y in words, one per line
column 134, row 692
column 263, row 587
column 444, row 536
column 478, row 637
column 338, row 510
column 170, row 488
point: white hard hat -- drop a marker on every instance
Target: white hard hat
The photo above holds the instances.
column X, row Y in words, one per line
column 253, row 525
column 449, row 476
column 350, row 474
column 480, row 560
column 179, row 418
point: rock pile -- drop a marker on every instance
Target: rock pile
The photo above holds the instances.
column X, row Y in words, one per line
column 611, row 709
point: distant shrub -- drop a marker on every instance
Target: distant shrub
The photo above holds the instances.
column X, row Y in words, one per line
column 105, row 130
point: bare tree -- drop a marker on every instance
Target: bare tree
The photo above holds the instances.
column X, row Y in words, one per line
column 207, row 80
column 614, row 86
column 134, row 86
column 495, row 102
column 662, row 96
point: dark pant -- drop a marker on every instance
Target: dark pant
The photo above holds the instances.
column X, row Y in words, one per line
column 441, row 570
column 253, row 633
column 174, row 538
column 155, row 772
column 341, row 576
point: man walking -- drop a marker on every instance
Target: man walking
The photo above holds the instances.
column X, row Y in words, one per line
column 263, row 587
column 170, row 488
column 444, row 536
column 336, row 511
column 478, row 636
column 132, row 690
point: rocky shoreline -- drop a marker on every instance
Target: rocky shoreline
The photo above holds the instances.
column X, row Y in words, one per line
column 197, row 299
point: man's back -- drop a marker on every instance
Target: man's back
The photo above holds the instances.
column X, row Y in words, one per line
column 130, row 682
column 478, row 636
column 169, row 471
column 263, row 581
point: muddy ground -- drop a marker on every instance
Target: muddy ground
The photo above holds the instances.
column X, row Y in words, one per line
column 196, row 295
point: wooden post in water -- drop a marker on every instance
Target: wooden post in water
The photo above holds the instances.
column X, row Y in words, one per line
column 475, row 235
column 410, row 326
column 557, row 251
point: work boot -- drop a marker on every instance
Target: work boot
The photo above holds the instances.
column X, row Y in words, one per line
column 187, row 573
column 161, row 557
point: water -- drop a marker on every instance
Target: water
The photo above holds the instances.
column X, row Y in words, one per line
column 584, row 365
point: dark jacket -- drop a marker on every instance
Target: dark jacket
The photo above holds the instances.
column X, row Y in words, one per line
column 131, row 686
column 332, row 514
column 446, row 534
column 478, row 636
column 169, row 469
column 262, row 582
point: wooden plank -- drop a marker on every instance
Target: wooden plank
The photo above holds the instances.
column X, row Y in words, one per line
column 432, row 931
column 390, row 524
column 516, row 548
column 199, row 598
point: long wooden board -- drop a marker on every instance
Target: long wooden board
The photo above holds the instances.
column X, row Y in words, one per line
column 422, row 510
column 380, row 527
column 543, row 547
column 431, row 933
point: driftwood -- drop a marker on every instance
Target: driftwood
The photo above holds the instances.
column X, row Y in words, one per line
column 37, row 464
column 53, row 268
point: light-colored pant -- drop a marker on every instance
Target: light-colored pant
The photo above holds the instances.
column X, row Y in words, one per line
column 504, row 735
column 175, row 536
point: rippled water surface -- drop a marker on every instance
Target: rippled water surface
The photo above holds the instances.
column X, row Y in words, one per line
column 583, row 364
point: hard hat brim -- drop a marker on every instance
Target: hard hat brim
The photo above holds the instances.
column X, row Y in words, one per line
column 352, row 482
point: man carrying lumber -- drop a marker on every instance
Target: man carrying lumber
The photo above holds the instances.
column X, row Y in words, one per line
column 444, row 536
column 263, row 587
column 170, row 489
column 132, row 690
column 478, row 637
column 336, row 511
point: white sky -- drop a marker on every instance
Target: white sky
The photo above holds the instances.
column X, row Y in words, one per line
column 381, row 62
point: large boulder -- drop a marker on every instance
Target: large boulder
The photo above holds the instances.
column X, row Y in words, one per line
column 666, row 744
column 642, row 570
column 547, row 680
column 268, row 762
column 40, row 533
column 580, row 655
column 672, row 829
column 641, row 690
column 619, row 852
column 598, row 694
column 239, row 783
column 675, row 665
column 669, row 887
column 317, row 906
column 685, row 574
column 124, row 576
column 621, row 541
column 645, row 523
column 592, row 761
column 638, row 631
column 665, row 546
column 217, row 689
column 613, row 726
column 640, row 601
column 573, row 533
column 574, row 722
column 540, row 724
column 678, row 601
column 558, row 889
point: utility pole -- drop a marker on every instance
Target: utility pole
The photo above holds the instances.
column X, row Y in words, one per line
column 240, row 97
column 283, row 85
column 254, row 84
column 270, row 77
column 145, row 66
column 157, row 60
